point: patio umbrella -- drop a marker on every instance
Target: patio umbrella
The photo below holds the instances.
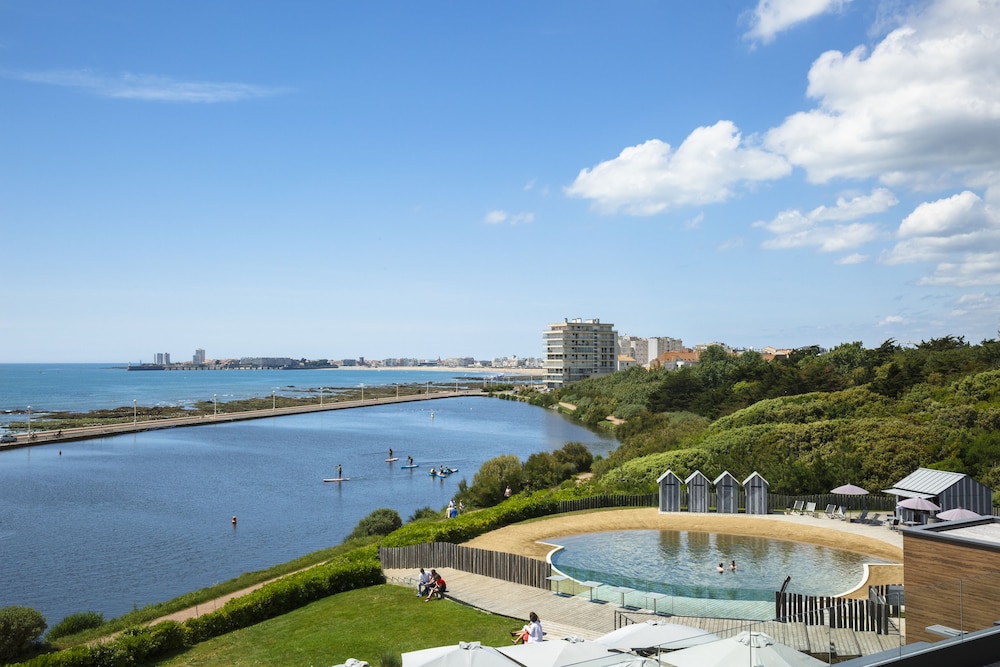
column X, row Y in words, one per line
column 919, row 504
column 850, row 490
column 561, row 652
column 958, row 513
column 465, row 654
column 652, row 634
column 747, row 648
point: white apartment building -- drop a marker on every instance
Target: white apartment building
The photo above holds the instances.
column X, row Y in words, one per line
column 578, row 349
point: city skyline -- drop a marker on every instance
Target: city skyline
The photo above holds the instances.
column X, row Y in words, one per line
column 401, row 178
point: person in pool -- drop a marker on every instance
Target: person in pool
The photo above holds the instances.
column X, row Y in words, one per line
column 721, row 568
column 732, row 566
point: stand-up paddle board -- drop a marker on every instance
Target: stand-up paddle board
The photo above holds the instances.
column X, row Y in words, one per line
column 391, row 459
column 412, row 465
column 338, row 479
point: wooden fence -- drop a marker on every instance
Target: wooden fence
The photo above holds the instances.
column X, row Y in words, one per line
column 775, row 501
column 865, row 615
column 600, row 502
column 508, row 567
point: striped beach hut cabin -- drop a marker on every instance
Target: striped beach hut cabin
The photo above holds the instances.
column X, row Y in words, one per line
column 757, row 489
column 670, row 492
column 727, row 494
column 697, row 485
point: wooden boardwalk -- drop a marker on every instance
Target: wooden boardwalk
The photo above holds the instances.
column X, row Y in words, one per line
column 564, row 616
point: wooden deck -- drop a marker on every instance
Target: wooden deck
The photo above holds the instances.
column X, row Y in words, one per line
column 564, row 616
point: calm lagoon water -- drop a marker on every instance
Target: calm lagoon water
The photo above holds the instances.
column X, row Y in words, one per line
column 685, row 564
column 126, row 521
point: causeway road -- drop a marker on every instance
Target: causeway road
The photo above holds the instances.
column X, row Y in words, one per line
column 105, row 430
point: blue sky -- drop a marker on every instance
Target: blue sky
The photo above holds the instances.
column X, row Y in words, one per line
column 344, row 179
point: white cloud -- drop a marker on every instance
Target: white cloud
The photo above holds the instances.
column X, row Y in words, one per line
column 695, row 222
column 891, row 319
column 773, row 16
column 649, row 178
column 853, row 258
column 959, row 234
column 922, row 109
column 497, row 217
column 794, row 229
column 147, row 87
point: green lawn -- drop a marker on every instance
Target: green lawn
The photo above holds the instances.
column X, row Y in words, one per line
column 360, row 624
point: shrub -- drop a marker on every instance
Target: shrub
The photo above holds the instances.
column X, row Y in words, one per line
column 74, row 623
column 380, row 522
column 20, row 627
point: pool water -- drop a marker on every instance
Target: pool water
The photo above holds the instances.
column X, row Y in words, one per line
column 685, row 564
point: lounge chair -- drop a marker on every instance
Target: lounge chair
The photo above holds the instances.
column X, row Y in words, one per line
column 874, row 520
column 810, row 509
column 863, row 517
column 841, row 513
column 796, row 507
column 831, row 509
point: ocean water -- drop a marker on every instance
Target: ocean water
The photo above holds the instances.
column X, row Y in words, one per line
column 125, row 521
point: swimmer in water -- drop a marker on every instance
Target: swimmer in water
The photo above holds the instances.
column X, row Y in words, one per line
column 721, row 568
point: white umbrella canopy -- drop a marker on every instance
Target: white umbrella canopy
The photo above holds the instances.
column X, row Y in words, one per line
column 559, row 652
column 921, row 504
column 652, row 634
column 849, row 490
column 465, row 654
column 957, row 514
column 754, row 649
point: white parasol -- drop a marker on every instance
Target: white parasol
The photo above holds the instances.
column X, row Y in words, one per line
column 919, row 504
column 655, row 634
column 746, row 648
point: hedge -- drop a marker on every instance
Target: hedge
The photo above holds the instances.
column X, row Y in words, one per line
column 356, row 569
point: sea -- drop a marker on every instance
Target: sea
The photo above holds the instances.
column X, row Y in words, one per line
column 117, row 523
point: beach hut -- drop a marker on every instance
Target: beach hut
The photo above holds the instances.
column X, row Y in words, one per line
column 757, row 489
column 727, row 493
column 948, row 490
column 670, row 492
column 697, row 485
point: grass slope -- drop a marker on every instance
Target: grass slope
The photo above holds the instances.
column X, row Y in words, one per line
column 362, row 624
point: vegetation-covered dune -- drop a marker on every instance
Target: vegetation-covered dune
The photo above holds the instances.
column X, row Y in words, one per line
column 808, row 422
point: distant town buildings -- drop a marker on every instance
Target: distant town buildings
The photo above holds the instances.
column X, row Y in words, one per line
column 199, row 357
column 644, row 350
column 578, row 349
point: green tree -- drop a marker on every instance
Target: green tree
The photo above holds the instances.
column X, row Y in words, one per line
column 380, row 522
column 20, row 628
column 493, row 478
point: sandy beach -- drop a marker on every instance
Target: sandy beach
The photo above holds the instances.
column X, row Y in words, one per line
column 533, row 372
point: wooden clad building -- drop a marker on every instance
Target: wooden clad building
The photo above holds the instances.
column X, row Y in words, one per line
column 948, row 490
column 951, row 577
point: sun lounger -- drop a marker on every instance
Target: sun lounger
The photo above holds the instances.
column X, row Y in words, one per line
column 874, row 520
column 810, row 509
column 796, row 507
column 863, row 517
column 841, row 513
column 831, row 509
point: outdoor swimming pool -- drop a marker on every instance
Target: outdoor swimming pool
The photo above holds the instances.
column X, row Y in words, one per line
column 684, row 564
